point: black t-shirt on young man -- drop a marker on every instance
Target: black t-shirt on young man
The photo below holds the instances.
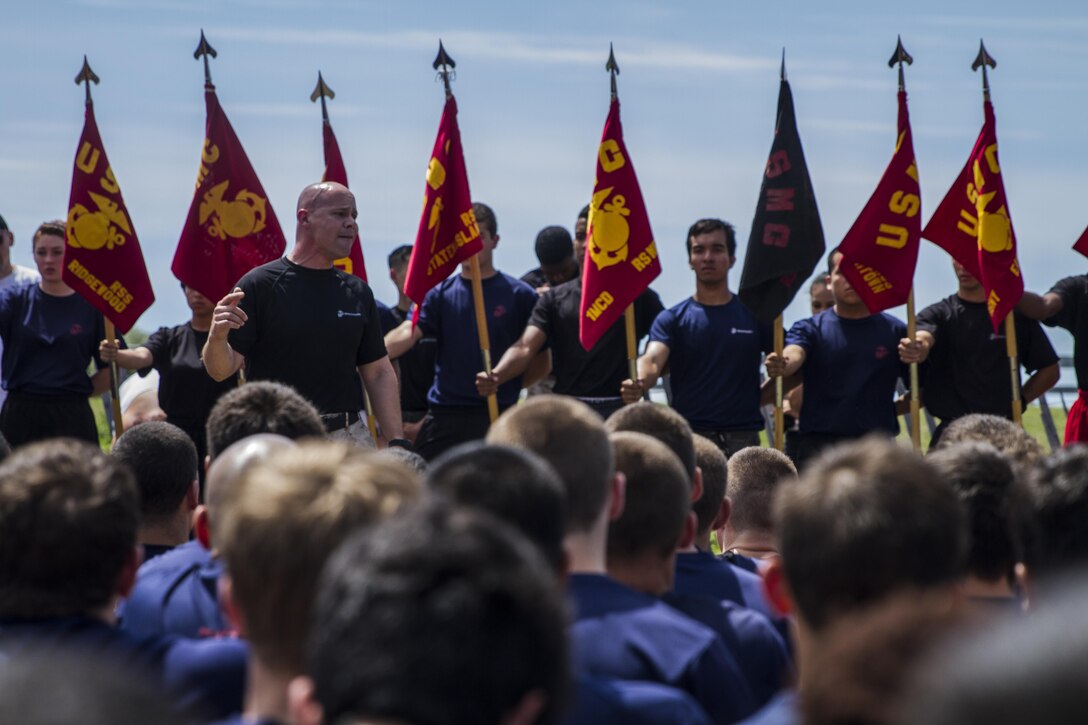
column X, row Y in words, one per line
column 968, row 368
column 599, row 372
column 311, row 329
column 186, row 391
column 1074, row 317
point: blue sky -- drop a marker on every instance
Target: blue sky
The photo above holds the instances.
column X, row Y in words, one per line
column 698, row 90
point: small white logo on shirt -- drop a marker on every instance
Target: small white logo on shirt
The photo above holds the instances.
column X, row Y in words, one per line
column 743, row 332
column 341, row 313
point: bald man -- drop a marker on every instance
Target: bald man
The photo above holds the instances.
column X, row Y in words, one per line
column 299, row 320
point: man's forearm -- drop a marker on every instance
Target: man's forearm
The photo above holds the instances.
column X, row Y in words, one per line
column 381, row 385
column 513, row 362
column 1043, row 380
column 220, row 359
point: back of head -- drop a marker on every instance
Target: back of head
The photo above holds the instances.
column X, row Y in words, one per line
column 570, row 436
column 513, row 485
column 1004, row 435
column 68, row 521
column 712, row 463
column 866, row 519
column 660, row 422
column 261, row 407
column 754, row 477
column 657, row 499
column 470, row 629
column 288, row 514
column 553, row 245
column 1060, row 493
column 227, row 468
column 164, row 461
column 996, row 506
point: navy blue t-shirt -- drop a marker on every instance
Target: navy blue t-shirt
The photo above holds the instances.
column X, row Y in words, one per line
column 48, row 341
column 448, row 314
column 850, row 371
column 177, row 593
column 714, row 357
column 600, row 700
column 628, row 635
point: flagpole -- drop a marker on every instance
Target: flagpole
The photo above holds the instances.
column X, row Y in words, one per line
column 86, row 77
column 444, row 64
column 322, row 91
column 982, row 60
column 779, row 413
column 900, row 57
column 632, row 341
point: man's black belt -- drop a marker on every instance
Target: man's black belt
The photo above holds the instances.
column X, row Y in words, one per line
column 338, row 421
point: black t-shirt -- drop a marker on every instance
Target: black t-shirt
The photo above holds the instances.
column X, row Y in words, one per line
column 534, row 278
column 968, row 368
column 311, row 329
column 416, row 369
column 599, row 372
column 186, row 391
column 1074, row 317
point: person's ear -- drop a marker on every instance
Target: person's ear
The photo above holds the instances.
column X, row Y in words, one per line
column 1025, row 582
column 725, row 509
column 229, row 606
column 776, row 588
column 697, row 485
column 528, row 709
column 687, row 533
column 201, row 530
column 619, row 496
column 192, row 496
column 304, row 707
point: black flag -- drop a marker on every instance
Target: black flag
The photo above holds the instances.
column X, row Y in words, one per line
column 787, row 240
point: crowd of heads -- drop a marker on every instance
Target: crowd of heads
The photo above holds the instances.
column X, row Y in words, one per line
column 383, row 588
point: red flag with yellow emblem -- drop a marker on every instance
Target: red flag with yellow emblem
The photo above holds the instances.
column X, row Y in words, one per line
column 972, row 224
column 448, row 233
column 1081, row 245
column 103, row 261
column 880, row 251
column 231, row 227
column 621, row 256
column 335, row 171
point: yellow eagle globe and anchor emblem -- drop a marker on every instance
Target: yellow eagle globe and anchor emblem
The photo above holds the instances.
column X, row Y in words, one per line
column 239, row 218
column 608, row 229
column 995, row 231
column 106, row 227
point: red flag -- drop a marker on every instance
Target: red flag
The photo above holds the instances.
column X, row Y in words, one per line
column 231, row 227
column 621, row 256
column 880, row 251
column 448, row 233
column 103, row 261
column 972, row 224
column 1081, row 244
column 335, row 171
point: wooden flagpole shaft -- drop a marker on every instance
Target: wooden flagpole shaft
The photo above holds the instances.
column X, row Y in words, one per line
column 481, row 329
column 371, row 421
column 115, row 393
column 632, row 341
column 915, row 402
column 1014, row 368
column 779, row 416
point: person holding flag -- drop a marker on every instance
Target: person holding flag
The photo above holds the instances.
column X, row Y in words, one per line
column 712, row 344
column 849, row 366
column 968, row 370
column 300, row 320
column 1066, row 306
column 50, row 334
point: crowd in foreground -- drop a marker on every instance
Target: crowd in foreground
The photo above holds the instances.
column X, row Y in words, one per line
column 560, row 571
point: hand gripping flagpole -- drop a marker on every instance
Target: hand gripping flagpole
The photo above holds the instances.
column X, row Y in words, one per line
column 779, row 346
column 444, row 64
column 982, row 60
column 899, row 57
column 613, row 69
column 322, row 91
column 87, row 76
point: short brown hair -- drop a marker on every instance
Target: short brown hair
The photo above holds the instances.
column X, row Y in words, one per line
column 571, row 437
column 261, row 407
column 68, row 521
column 866, row 519
column 54, row 228
column 658, row 498
column 754, row 476
column 286, row 517
column 485, row 218
column 660, row 422
column 1001, row 433
column 712, row 463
